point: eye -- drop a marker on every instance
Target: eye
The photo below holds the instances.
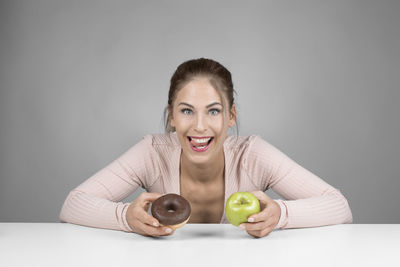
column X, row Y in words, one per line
column 186, row 111
column 215, row 111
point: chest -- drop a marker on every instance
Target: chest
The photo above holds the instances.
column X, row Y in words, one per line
column 206, row 201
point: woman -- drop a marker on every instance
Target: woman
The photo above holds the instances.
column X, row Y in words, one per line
column 198, row 160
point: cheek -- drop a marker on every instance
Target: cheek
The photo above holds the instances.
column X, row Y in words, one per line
column 179, row 120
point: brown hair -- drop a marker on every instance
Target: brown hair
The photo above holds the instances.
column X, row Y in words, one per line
column 219, row 77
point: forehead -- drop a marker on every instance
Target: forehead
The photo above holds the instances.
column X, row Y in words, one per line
column 197, row 91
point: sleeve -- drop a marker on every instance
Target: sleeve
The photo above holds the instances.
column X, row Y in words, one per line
column 309, row 201
column 96, row 202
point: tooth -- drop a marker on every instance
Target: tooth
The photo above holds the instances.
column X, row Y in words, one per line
column 201, row 140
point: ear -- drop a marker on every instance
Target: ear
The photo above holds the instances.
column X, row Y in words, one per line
column 232, row 116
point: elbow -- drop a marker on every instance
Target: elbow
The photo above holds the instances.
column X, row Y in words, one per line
column 345, row 211
column 62, row 217
column 349, row 215
column 65, row 213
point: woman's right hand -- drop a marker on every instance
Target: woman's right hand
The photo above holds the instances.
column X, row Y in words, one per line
column 140, row 221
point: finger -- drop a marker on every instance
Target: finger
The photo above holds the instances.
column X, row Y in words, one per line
column 270, row 210
column 258, row 225
column 266, row 231
column 262, row 198
column 256, row 233
column 155, row 231
column 261, row 233
column 253, row 226
column 145, row 218
column 267, row 219
column 147, row 198
column 271, row 213
column 259, row 217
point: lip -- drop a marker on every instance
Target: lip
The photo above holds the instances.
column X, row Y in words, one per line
column 199, row 137
column 200, row 150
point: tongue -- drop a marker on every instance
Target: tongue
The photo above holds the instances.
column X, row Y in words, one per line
column 194, row 143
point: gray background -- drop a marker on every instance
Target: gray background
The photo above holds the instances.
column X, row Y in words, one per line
column 83, row 81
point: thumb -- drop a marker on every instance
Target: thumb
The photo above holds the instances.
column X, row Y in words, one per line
column 262, row 197
column 147, row 198
column 151, row 196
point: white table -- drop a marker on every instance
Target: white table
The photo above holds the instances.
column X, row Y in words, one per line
column 61, row 244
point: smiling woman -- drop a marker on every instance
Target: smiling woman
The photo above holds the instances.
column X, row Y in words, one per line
column 217, row 76
column 196, row 159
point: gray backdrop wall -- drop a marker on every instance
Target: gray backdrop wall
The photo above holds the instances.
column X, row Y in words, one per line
column 83, row 81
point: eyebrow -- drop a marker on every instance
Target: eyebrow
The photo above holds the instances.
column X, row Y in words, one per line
column 212, row 104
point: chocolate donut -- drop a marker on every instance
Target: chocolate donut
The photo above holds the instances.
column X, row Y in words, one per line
column 171, row 210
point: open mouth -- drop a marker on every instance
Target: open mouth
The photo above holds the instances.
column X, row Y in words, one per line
column 200, row 145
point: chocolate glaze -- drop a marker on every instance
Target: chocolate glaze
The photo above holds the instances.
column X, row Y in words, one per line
column 171, row 209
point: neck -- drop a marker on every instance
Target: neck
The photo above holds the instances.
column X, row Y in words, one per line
column 203, row 173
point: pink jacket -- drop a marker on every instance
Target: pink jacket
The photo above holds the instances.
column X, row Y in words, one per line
column 250, row 164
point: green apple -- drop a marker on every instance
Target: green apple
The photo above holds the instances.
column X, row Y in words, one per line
column 240, row 206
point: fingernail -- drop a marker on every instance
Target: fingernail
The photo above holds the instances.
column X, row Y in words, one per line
column 251, row 220
column 242, row 227
column 155, row 224
column 168, row 230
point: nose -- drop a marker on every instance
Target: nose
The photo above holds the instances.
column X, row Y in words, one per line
column 200, row 123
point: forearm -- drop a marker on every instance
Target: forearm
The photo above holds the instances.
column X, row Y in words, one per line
column 84, row 209
column 328, row 209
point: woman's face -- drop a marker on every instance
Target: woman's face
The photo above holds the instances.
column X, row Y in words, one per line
column 200, row 122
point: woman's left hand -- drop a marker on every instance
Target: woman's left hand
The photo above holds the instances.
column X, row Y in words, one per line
column 264, row 222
